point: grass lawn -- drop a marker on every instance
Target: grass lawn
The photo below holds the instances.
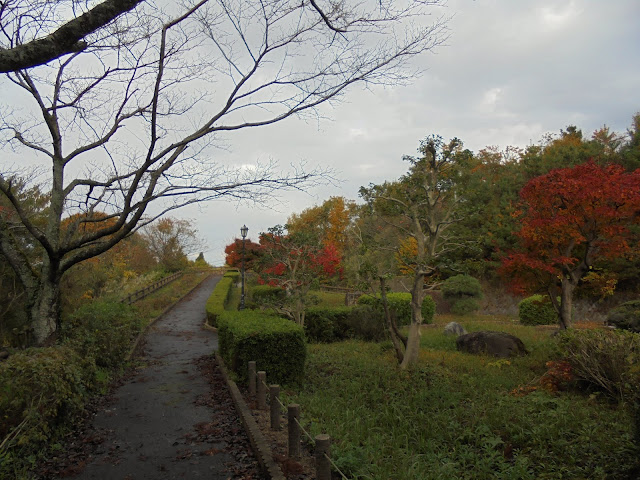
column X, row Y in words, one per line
column 454, row 416
column 153, row 305
column 328, row 299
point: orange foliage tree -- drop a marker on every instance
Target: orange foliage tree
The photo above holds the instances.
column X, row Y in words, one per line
column 571, row 218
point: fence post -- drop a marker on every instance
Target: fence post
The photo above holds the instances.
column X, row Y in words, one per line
column 323, row 449
column 293, row 414
column 252, row 378
column 262, row 390
column 274, row 393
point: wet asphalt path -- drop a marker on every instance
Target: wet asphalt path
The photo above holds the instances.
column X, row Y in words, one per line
column 160, row 425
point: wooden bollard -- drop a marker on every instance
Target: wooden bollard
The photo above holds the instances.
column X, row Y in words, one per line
column 262, row 390
column 252, row 379
column 274, row 393
column 323, row 449
column 293, row 414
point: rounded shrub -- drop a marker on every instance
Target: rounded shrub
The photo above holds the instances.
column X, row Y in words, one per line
column 400, row 304
column 463, row 291
column 537, row 310
column 460, row 286
column 626, row 316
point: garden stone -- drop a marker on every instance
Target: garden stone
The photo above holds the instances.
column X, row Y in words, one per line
column 454, row 328
column 499, row 344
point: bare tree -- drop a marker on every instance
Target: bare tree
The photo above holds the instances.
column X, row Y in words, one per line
column 127, row 125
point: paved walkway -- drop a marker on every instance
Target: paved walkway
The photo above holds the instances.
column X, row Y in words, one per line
column 162, row 424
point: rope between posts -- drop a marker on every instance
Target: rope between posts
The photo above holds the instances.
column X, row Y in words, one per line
column 335, row 466
column 305, row 432
column 309, row 436
column 278, row 399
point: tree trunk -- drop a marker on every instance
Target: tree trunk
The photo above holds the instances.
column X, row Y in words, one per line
column 298, row 312
column 413, row 343
column 566, row 303
column 413, row 346
column 44, row 313
column 399, row 342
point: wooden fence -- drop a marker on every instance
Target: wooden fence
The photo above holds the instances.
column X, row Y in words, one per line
column 350, row 295
column 322, row 443
column 149, row 289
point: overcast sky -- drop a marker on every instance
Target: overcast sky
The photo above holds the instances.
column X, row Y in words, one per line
column 510, row 72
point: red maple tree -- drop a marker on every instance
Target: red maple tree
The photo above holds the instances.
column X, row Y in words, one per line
column 233, row 253
column 571, row 218
column 295, row 262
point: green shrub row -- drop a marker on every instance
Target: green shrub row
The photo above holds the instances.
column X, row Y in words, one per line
column 333, row 324
column 265, row 296
column 276, row 345
column 220, row 296
column 400, row 306
column 537, row 310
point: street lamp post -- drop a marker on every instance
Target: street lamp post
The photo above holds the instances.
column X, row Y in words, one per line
column 243, row 232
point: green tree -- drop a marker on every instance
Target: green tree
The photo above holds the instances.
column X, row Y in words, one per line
column 421, row 207
column 630, row 150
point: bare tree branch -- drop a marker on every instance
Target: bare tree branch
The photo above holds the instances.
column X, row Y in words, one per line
column 67, row 39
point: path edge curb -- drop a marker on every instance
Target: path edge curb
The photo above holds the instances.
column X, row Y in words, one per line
column 144, row 331
column 258, row 442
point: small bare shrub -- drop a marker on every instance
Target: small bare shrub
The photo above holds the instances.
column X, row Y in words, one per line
column 604, row 359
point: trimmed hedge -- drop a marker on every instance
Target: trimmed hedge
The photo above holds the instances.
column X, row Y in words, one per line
column 400, row 304
column 333, row 324
column 266, row 295
column 219, row 297
column 326, row 324
column 537, row 310
column 276, row 345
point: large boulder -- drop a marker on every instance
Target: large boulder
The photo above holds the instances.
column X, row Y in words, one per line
column 499, row 344
column 454, row 328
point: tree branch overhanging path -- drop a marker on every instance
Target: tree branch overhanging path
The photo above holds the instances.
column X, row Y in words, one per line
column 67, row 39
column 129, row 125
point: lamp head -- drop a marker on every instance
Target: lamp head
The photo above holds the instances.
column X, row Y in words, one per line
column 243, row 231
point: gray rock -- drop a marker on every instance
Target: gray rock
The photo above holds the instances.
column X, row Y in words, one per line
column 499, row 344
column 454, row 328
